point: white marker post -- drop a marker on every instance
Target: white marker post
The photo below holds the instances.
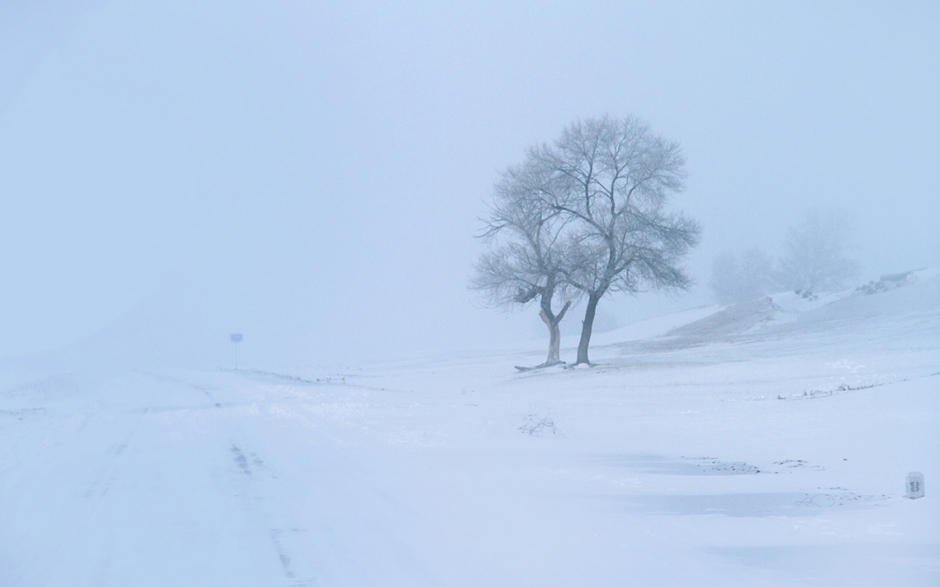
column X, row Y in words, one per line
column 915, row 485
column 236, row 338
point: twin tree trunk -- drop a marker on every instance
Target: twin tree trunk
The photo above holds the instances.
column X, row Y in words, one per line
column 554, row 332
column 586, row 328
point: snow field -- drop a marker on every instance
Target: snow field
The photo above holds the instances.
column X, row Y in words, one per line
column 771, row 453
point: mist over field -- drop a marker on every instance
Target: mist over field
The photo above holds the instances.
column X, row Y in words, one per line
column 278, row 281
column 313, row 175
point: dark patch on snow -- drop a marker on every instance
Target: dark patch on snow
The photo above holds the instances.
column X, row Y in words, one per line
column 750, row 505
column 241, row 460
column 814, row 393
column 707, row 466
column 886, row 283
column 538, row 425
column 281, row 554
column 541, row 366
column 23, row 413
column 791, row 464
column 710, row 466
column 686, row 465
column 271, row 377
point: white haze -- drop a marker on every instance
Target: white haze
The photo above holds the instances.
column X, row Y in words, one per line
column 311, row 174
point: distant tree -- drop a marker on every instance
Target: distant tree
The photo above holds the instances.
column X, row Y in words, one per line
column 757, row 273
column 523, row 262
column 815, row 254
column 733, row 282
column 611, row 180
column 725, row 278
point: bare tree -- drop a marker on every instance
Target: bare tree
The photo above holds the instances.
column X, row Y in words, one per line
column 611, row 179
column 757, row 273
column 725, row 277
column 734, row 282
column 522, row 264
column 816, row 256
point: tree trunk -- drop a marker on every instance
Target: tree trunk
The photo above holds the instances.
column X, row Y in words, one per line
column 586, row 327
column 554, row 339
column 554, row 334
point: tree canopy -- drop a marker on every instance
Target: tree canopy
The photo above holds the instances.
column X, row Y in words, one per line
column 595, row 200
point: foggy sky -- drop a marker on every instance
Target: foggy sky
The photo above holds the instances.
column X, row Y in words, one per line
column 311, row 174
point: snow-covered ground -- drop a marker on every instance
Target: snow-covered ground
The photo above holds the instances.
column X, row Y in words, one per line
column 765, row 443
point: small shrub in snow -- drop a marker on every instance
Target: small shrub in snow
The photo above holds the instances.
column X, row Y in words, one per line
column 538, row 425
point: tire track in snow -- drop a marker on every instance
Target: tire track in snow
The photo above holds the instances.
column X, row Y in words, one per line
column 251, row 475
column 320, row 519
column 255, row 475
column 251, row 471
column 252, row 466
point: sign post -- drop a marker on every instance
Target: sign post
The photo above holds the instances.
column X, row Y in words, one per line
column 236, row 338
column 915, row 485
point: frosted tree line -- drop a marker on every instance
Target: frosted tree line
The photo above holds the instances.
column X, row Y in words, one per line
column 815, row 259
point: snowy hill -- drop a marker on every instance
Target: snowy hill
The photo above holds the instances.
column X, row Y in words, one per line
column 764, row 443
